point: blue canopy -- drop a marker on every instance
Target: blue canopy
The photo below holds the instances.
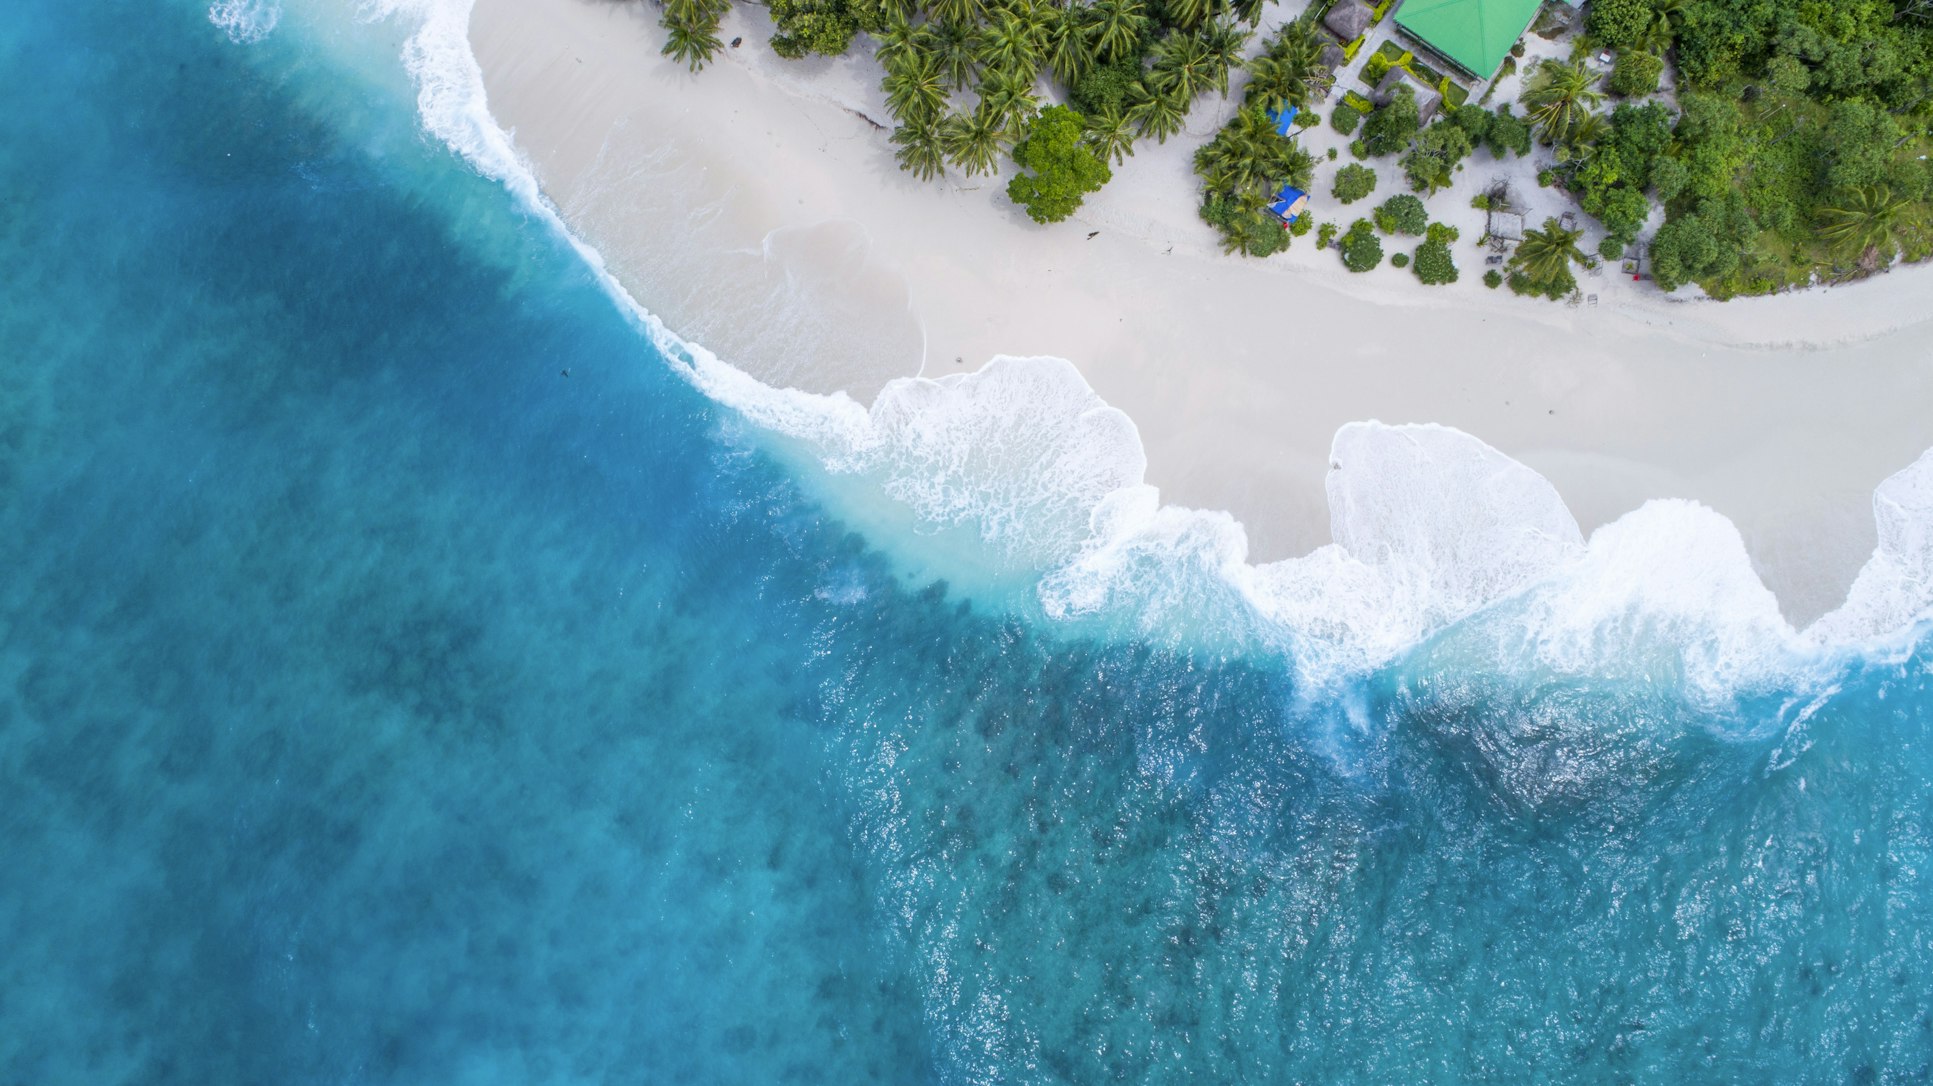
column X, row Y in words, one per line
column 1284, row 120
column 1289, row 203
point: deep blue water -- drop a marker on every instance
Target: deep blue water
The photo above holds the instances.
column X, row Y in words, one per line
column 380, row 705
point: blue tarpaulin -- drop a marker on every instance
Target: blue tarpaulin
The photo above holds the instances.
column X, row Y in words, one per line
column 1289, row 203
column 1284, row 120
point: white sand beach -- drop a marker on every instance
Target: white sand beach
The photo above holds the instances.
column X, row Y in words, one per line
column 757, row 209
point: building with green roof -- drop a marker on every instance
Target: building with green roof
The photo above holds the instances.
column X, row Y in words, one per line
column 1474, row 35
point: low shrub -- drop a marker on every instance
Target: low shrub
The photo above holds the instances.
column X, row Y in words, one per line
column 1361, row 248
column 1434, row 265
column 1402, row 214
column 1353, row 182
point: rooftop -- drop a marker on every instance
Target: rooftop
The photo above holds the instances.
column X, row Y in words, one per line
column 1475, row 35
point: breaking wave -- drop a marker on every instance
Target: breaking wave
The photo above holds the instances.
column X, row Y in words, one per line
column 1436, row 534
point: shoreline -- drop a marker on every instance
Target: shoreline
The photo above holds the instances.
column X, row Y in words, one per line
column 755, row 209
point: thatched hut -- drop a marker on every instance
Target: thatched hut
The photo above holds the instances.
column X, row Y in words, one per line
column 1428, row 99
column 1348, row 19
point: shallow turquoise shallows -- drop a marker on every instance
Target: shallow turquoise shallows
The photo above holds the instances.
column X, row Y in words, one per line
column 407, row 678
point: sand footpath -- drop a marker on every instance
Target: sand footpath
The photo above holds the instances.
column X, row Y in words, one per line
column 756, row 208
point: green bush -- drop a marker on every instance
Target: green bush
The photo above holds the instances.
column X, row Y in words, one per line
column 1332, row 154
column 1361, row 248
column 1326, row 235
column 1105, row 88
column 813, row 26
column 1065, row 169
column 1619, row 23
column 1546, row 178
column 1636, row 73
column 1301, row 225
column 1481, row 201
column 1400, row 260
column 1252, row 233
column 1556, row 290
column 1434, row 265
column 1441, row 233
column 1308, row 118
column 1493, row 279
column 1357, row 148
column 1353, row 182
column 1611, row 248
column 1393, row 125
column 1344, row 119
column 1402, row 214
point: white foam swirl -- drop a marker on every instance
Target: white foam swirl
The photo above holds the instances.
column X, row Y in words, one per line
column 246, row 21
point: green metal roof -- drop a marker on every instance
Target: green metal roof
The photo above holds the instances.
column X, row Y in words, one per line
column 1476, row 34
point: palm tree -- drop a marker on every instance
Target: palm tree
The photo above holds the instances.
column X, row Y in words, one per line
column 1010, row 95
column 1580, row 145
column 1657, row 34
column 1110, row 133
column 913, row 87
column 1070, row 46
column 896, row 40
column 1182, row 65
column 1248, row 156
column 1286, row 72
column 1118, row 25
column 1545, row 255
column 1867, row 223
column 1011, row 44
column 973, row 140
column 959, row 12
column 955, row 49
column 692, row 30
column 692, row 44
column 1232, row 162
column 919, row 148
column 1557, row 95
column 1223, row 43
column 1248, row 11
column 1156, row 113
column 1186, row 13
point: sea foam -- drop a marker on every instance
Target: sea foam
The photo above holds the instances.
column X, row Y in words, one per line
column 246, row 21
column 1434, row 530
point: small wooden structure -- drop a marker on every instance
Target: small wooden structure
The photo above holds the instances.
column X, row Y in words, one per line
column 1428, row 99
column 1348, row 19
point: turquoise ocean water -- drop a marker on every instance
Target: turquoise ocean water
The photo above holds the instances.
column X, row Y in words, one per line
column 379, row 704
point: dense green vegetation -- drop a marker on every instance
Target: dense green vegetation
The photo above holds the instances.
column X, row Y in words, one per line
column 1796, row 149
column 1248, row 161
column 1402, row 214
column 1361, row 249
column 1542, row 263
column 963, row 77
column 1064, row 168
column 1792, row 143
column 1353, row 182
